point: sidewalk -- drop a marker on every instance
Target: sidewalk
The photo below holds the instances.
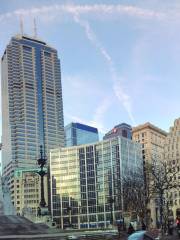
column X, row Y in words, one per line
column 171, row 237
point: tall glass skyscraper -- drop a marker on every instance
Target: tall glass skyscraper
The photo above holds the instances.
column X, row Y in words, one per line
column 32, row 108
column 78, row 133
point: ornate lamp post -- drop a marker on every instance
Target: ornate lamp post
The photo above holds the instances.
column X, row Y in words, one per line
column 111, row 201
column 79, row 216
column 69, row 209
column 41, row 162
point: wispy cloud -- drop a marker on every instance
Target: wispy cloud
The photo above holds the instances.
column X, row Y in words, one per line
column 102, row 10
column 97, row 9
column 122, row 96
column 75, row 11
column 98, row 116
column 76, row 84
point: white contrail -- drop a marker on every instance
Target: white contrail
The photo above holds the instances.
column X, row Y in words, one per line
column 99, row 114
column 123, row 97
column 97, row 9
column 97, row 124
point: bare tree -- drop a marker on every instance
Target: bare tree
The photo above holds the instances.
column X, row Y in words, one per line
column 162, row 183
column 134, row 193
column 139, row 188
column 147, row 190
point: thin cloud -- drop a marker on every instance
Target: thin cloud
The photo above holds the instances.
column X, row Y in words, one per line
column 99, row 114
column 75, row 10
column 98, row 117
column 122, row 96
column 97, row 9
column 92, row 123
column 76, row 84
column 73, row 84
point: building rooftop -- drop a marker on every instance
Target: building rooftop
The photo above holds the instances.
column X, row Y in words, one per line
column 30, row 38
column 82, row 126
column 122, row 125
column 105, row 141
column 150, row 126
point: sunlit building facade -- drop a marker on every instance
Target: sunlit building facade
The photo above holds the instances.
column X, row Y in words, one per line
column 152, row 139
column 86, row 181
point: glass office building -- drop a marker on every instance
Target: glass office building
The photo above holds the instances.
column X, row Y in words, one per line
column 123, row 129
column 77, row 134
column 86, row 181
column 32, row 109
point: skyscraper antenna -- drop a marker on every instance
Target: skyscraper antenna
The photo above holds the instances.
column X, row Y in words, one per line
column 35, row 28
column 21, row 25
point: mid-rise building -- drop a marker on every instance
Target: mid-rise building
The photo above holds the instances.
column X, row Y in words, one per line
column 32, row 109
column 87, row 182
column 25, row 187
column 172, row 157
column 152, row 140
column 123, row 130
column 77, row 134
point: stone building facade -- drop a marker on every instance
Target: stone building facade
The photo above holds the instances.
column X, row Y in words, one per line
column 172, row 156
column 152, row 139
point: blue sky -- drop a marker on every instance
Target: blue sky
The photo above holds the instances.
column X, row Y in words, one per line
column 120, row 60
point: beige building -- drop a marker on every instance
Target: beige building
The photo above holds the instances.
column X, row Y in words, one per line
column 25, row 191
column 172, row 156
column 152, row 139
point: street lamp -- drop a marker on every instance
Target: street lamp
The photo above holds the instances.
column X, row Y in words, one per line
column 41, row 162
column 69, row 209
column 111, row 201
column 79, row 215
column 23, row 204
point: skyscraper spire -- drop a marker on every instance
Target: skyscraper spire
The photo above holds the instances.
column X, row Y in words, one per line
column 35, row 28
column 21, row 25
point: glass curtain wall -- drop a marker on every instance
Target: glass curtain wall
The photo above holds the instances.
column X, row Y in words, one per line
column 87, row 182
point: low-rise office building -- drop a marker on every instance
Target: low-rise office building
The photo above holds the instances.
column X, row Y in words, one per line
column 25, row 188
column 87, row 181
